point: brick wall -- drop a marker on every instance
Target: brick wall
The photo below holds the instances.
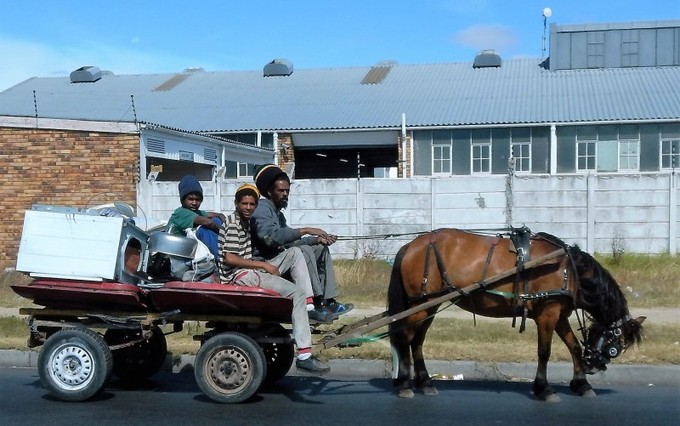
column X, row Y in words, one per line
column 61, row 167
column 286, row 155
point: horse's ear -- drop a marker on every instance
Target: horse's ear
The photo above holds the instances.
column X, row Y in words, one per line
column 640, row 319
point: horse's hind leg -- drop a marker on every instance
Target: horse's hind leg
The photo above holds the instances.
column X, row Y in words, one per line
column 420, row 374
column 400, row 340
column 579, row 384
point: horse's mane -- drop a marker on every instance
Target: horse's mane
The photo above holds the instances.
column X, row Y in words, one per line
column 553, row 239
column 600, row 294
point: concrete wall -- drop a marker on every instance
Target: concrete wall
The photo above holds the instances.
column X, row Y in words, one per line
column 601, row 213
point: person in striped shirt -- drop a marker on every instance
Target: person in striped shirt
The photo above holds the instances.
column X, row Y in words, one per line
column 238, row 267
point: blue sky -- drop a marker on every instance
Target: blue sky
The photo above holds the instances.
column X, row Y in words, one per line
column 46, row 38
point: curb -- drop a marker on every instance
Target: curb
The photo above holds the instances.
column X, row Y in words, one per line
column 558, row 372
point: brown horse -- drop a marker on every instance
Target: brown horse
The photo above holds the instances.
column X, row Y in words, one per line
column 450, row 259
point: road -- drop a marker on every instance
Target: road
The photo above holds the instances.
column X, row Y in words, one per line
column 174, row 398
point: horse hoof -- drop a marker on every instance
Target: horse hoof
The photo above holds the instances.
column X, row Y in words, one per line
column 589, row 394
column 405, row 393
column 552, row 398
column 430, row 391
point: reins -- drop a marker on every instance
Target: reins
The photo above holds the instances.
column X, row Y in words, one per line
column 480, row 231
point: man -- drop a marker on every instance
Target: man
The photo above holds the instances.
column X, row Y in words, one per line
column 189, row 215
column 238, row 267
column 271, row 236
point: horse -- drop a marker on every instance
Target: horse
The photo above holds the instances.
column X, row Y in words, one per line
column 448, row 260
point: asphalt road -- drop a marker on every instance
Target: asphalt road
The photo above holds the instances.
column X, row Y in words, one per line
column 174, row 398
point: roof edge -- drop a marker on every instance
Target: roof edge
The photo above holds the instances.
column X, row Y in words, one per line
column 67, row 124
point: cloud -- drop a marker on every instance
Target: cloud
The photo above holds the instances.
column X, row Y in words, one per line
column 480, row 37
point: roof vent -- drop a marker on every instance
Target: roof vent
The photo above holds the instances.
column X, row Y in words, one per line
column 278, row 67
column 87, row 74
column 487, row 59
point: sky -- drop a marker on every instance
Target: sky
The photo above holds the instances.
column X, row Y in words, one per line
column 46, row 38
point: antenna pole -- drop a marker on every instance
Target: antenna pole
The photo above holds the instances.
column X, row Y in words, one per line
column 547, row 12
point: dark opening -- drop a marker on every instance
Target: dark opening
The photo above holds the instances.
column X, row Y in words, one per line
column 342, row 163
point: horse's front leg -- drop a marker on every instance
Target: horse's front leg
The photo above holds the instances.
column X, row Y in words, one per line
column 579, row 384
column 545, row 323
column 400, row 340
column 420, row 374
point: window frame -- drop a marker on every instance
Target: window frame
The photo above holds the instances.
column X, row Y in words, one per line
column 441, row 160
column 595, row 49
column 673, row 154
column 475, row 159
column 249, row 170
column 525, row 157
column 627, row 155
column 630, row 48
column 587, row 143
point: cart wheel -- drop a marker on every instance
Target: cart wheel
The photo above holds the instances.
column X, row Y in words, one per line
column 74, row 364
column 230, row 367
column 141, row 360
column 279, row 356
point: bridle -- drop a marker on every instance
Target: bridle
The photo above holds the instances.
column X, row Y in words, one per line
column 599, row 350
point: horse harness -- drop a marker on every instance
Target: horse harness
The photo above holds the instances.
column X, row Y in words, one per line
column 521, row 241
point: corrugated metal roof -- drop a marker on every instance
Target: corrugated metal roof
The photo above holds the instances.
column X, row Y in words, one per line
column 447, row 94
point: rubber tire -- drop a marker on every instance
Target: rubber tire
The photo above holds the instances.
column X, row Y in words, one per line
column 279, row 356
column 74, row 364
column 140, row 361
column 230, row 367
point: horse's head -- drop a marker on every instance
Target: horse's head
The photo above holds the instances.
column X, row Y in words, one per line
column 604, row 342
column 613, row 329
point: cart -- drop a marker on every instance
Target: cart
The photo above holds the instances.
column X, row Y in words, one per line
column 110, row 319
column 247, row 341
column 245, row 344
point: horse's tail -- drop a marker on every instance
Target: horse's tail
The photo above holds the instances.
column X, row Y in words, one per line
column 396, row 294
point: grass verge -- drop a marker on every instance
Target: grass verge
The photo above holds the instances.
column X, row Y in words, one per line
column 647, row 281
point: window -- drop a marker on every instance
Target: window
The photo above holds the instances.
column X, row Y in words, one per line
column 481, row 157
column 267, row 140
column 595, row 49
column 441, row 159
column 630, row 47
column 441, row 152
column 264, row 140
column 422, row 153
column 585, row 155
column 520, row 149
column 608, row 148
column 607, row 158
column 246, row 170
column 629, row 155
column 670, row 153
column 230, row 169
column 586, row 148
column 481, row 151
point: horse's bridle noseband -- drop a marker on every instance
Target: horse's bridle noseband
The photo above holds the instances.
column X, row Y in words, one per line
column 596, row 355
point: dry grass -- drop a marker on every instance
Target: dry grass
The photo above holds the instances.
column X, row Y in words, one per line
column 363, row 282
column 8, row 298
column 497, row 341
column 647, row 281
